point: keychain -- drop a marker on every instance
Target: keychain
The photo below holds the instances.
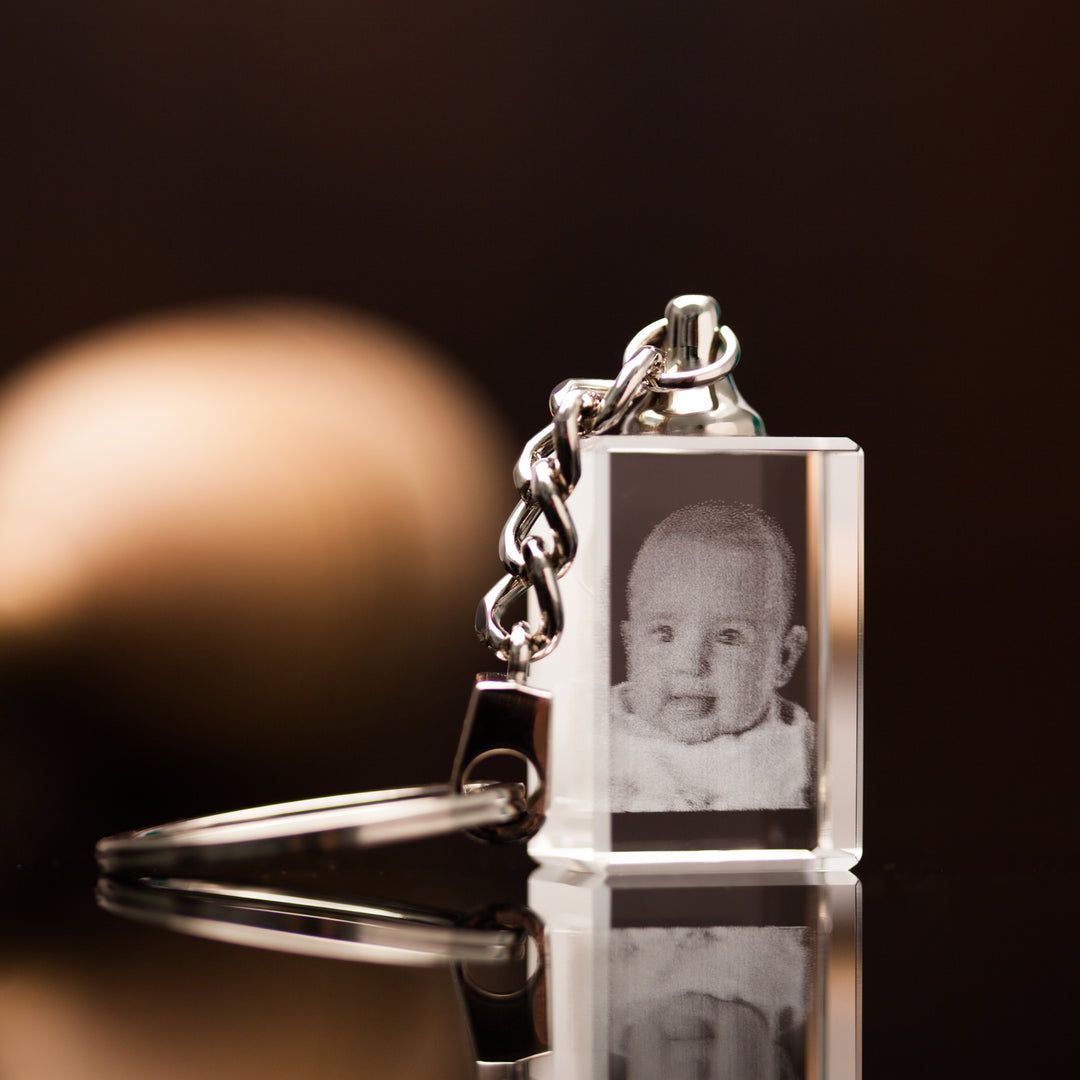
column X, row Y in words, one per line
column 686, row 686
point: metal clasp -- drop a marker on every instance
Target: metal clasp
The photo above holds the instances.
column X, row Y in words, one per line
column 696, row 394
column 508, row 1028
column 507, row 718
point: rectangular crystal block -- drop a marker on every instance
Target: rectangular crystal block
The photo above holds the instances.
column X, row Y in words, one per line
column 707, row 688
column 723, row 974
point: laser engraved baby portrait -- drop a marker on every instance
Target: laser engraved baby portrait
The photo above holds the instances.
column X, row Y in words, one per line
column 721, row 1003
column 710, row 641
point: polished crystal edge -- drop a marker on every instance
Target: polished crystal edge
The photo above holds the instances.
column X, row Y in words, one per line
column 812, row 488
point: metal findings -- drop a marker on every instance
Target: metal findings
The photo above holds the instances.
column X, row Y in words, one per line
column 365, row 820
column 506, row 718
column 370, row 931
column 545, row 475
column 509, row 1028
column 696, row 394
column 692, row 340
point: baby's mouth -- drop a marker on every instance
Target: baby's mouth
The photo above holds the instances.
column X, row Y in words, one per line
column 692, row 704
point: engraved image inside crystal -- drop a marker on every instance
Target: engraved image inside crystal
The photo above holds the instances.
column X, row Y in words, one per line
column 710, row 742
column 700, row 723
column 722, row 1002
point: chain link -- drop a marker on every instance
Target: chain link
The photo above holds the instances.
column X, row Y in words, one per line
column 545, row 475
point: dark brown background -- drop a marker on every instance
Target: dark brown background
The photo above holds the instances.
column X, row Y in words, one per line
column 882, row 197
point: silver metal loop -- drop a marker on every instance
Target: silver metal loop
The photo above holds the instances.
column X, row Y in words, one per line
column 518, row 525
column 364, row 820
column 653, row 334
column 546, row 491
column 542, row 577
column 723, row 365
column 496, row 600
column 375, row 932
column 545, row 498
column 725, row 343
column 592, row 393
column 539, row 445
column 630, row 384
column 539, row 574
column 567, row 440
column 520, row 652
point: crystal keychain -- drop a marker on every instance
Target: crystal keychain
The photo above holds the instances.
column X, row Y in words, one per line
column 707, row 692
column 704, row 705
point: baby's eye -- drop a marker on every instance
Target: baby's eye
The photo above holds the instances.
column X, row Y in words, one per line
column 663, row 633
column 731, row 636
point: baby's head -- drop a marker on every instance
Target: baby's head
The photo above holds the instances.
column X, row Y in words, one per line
column 709, row 638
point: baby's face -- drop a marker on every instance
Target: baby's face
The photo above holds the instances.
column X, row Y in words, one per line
column 705, row 643
column 693, row 1035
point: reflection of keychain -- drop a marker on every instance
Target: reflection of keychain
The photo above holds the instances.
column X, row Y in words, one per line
column 643, row 768
column 601, row 977
column 507, row 1023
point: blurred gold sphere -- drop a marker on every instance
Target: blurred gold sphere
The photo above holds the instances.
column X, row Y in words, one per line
column 241, row 528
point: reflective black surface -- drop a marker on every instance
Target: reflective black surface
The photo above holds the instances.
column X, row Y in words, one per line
column 961, row 974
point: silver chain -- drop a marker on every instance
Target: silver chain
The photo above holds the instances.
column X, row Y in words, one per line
column 549, row 467
column 546, row 473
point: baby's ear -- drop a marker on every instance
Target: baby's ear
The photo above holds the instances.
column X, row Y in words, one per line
column 790, row 652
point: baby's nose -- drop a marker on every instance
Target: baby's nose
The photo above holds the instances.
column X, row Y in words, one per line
column 694, row 653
